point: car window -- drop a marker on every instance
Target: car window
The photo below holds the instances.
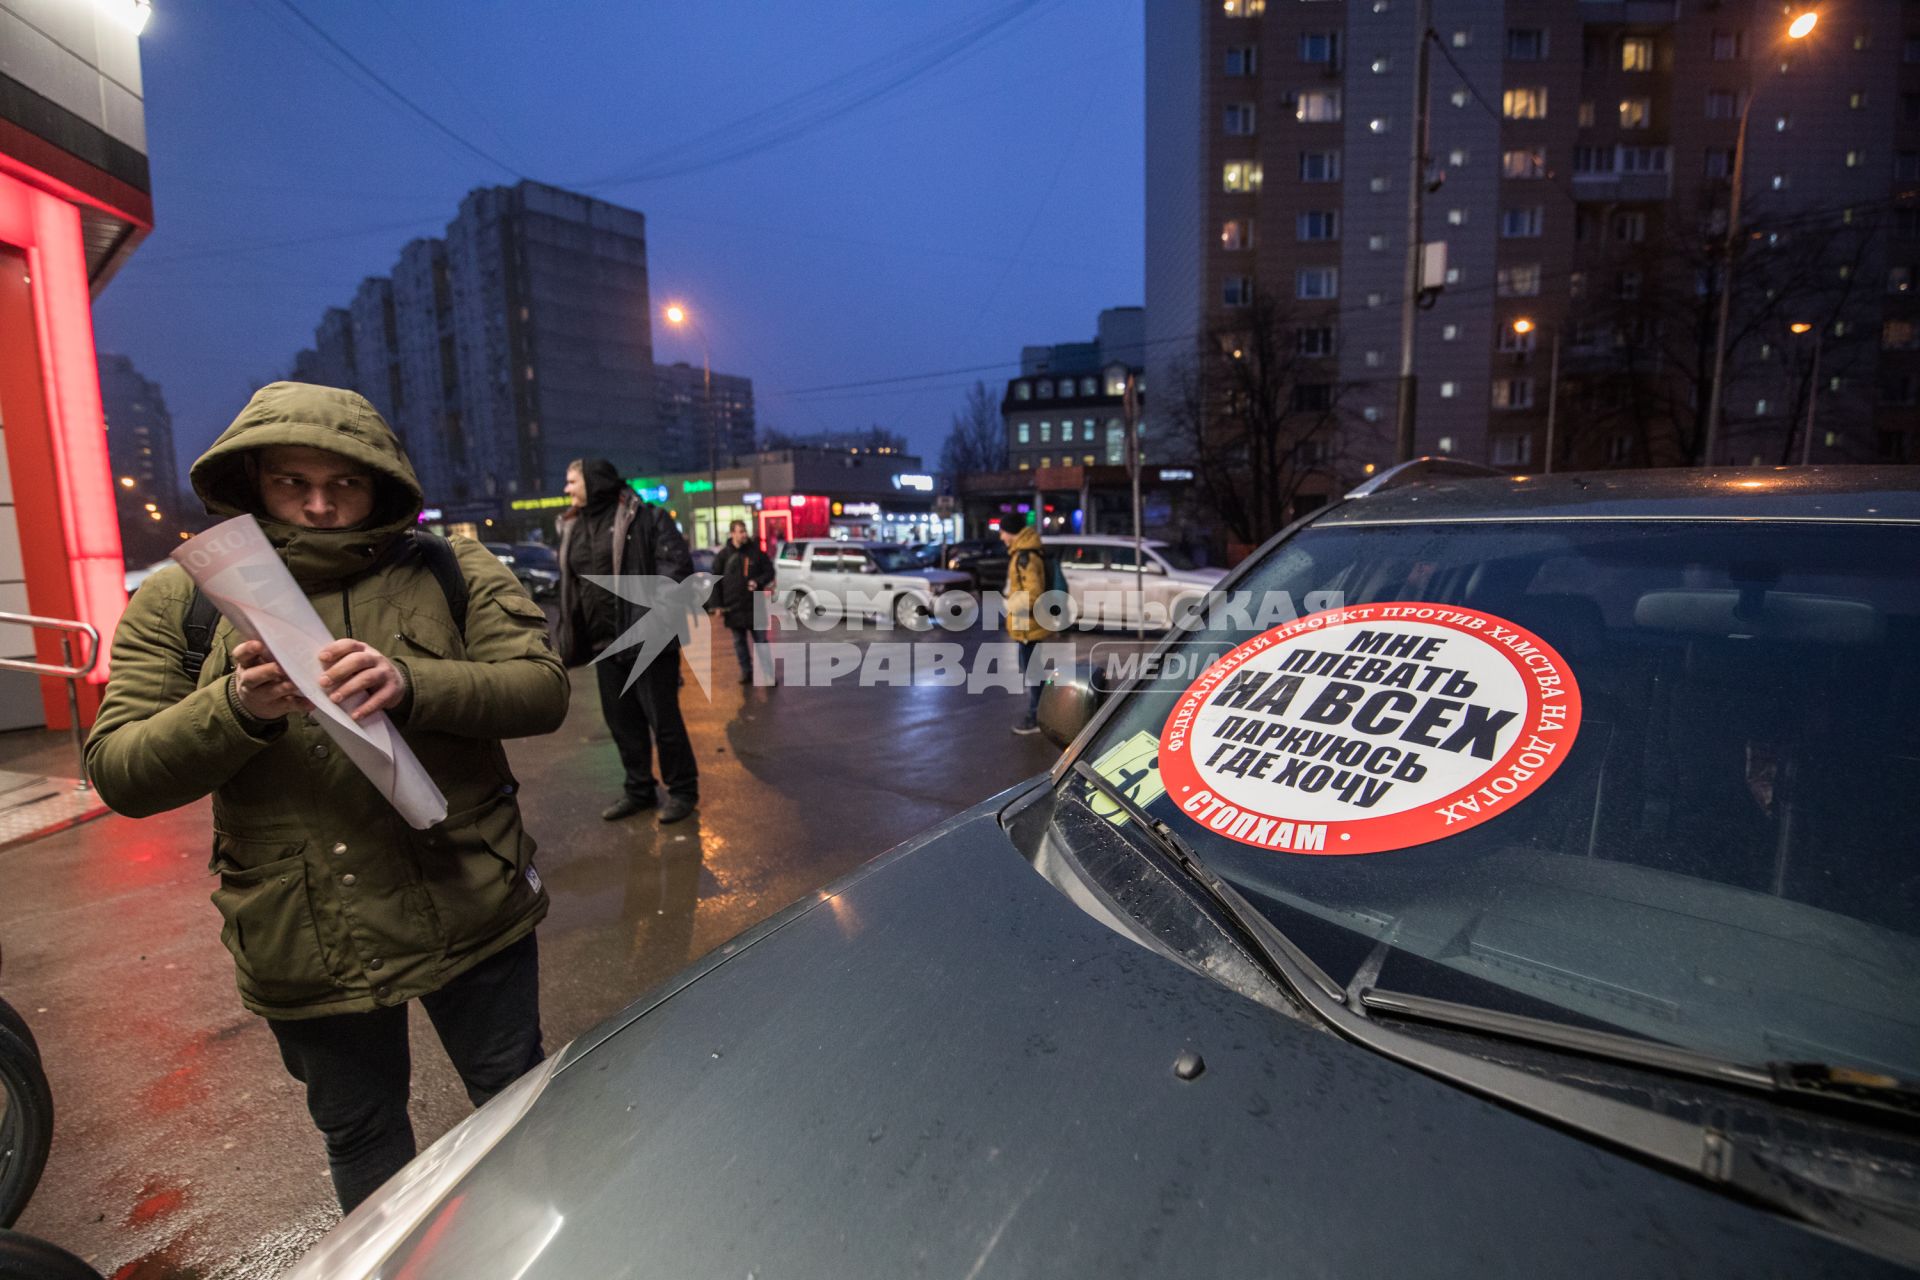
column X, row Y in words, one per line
column 1120, row 557
column 825, row 560
column 535, row 555
column 793, row 551
column 1720, row 855
column 895, row 559
column 1175, row 558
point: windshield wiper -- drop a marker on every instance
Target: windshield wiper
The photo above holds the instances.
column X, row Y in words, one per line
column 1277, row 952
column 1830, row 1083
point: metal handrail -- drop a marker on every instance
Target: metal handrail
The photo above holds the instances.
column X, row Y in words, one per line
column 70, row 671
column 67, row 672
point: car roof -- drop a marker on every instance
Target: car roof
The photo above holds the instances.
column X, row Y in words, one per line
column 1869, row 494
column 1103, row 540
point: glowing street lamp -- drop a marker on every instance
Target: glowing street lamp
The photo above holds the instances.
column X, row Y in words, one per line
column 1801, row 328
column 1524, row 326
column 1798, row 29
column 677, row 316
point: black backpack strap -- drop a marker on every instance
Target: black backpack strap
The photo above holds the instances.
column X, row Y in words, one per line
column 443, row 562
column 202, row 617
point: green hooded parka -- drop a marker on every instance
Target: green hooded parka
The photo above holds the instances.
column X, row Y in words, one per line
column 330, row 902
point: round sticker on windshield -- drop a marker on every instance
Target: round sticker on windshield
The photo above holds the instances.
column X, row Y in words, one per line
column 1378, row 727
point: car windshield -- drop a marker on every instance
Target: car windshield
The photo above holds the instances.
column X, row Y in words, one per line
column 894, row 559
column 1656, row 778
column 535, row 556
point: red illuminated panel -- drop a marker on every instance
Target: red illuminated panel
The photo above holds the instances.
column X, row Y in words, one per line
column 56, row 441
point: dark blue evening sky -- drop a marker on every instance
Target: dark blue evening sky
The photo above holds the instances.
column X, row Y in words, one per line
column 926, row 217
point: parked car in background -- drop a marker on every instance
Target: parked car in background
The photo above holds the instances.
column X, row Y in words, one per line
column 1111, row 587
column 1548, row 908
column 866, row 579
column 536, row 565
column 983, row 560
column 137, row 576
column 703, row 559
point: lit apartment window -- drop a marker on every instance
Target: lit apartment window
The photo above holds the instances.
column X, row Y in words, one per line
column 1237, row 234
column 1857, row 100
column 1526, row 44
column 1320, row 46
column 1116, row 443
column 1319, row 166
column 1455, row 275
column 1024, row 432
column 1460, row 98
column 1243, row 8
column 1447, row 392
column 1522, row 224
column 1371, row 413
column 1374, row 359
column 1025, row 465
column 1088, row 387
column 1023, row 391
column 1899, row 335
column 1513, row 393
column 1318, row 106
column 1376, row 244
column 1046, row 433
column 1241, row 176
column 1449, row 332
column 1380, row 66
column 1461, row 39
column 1635, row 113
column 1456, row 217
column 1379, row 184
column 1379, row 124
column 1855, row 159
column 1457, row 158
column 1446, row 444
column 1584, row 117
column 1044, row 388
column 1512, row 451
column 1636, row 55
column 1243, row 60
column 1782, row 123
column 1729, row 46
column 1317, row 224
column 1046, row 461
column 1524, row 104
column 1778, row 182
column 1317, row 282
column 1237, row 291
column 1630, row 226
column 1529, row 162
column 1863, row 41
column 1522, row 281
column 1237, row 120
column 1722, row 104
column 1512, row 343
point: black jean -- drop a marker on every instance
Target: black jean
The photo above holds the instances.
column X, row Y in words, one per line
column 743, row 641
column 358, row 1068
column 645, row 716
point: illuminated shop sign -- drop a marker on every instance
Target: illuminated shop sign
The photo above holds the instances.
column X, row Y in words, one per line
column 923, row 484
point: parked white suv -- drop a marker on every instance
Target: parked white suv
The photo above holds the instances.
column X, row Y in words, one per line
column 1110, row 588
column 859, row 579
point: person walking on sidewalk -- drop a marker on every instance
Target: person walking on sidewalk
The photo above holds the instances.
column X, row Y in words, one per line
column 610, row 532
column 744, row 572
column 338, row 914
column 1026, row 583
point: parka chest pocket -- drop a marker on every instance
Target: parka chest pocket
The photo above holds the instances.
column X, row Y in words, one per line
column 268, row 921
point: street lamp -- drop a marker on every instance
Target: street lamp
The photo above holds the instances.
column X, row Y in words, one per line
column 1800, row 328
column 1798, row 29
column 678, row 317
column 1523, row 326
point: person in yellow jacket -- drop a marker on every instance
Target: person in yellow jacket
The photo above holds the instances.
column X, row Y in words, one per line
column 1026, row 583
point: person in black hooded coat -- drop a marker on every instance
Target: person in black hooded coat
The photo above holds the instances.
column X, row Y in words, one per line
column 743, row 571
column 610, row 532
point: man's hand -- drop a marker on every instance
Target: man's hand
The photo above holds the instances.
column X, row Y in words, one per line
column 261, row 686
column 354, row 666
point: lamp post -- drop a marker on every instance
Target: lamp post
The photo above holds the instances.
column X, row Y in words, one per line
column 679, row 317
column 1796, row 30
column 1523, row 326
column 1813, row 387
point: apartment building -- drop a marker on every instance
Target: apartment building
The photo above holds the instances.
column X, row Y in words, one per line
column 1578, row 172
column 697, row 424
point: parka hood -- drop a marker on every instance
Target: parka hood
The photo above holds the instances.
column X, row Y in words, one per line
column 339, row 421
column 1028, row 539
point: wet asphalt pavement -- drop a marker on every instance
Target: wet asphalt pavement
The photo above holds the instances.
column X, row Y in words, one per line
column 183, row 1149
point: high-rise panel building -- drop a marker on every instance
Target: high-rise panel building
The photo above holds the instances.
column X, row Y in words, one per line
column 376, row 347
column 1578, row 172
column 146, row 477
column 692, row 425
column 334, row 363
column 429, row 415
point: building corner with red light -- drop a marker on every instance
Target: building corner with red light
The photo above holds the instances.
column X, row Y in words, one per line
column 75, row 201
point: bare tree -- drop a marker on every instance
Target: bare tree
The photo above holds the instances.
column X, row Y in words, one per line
column 977, row 440
column 1257, row 411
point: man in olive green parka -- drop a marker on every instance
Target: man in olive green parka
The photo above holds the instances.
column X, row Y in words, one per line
column 335, row 911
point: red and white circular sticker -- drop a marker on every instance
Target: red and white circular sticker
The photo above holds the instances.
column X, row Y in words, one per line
column 1378, row 727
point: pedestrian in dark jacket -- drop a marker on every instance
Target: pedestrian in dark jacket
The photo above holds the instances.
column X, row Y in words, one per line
column 609, row 532
column 336, row 912
column 744, row 572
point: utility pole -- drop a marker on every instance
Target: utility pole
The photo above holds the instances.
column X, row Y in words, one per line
column 1130, row 402
column 1416, row 191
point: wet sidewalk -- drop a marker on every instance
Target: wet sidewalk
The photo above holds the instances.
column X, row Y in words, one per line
column 183, row 1149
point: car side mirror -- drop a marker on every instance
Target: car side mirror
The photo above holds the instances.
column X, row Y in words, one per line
column 1069, row 701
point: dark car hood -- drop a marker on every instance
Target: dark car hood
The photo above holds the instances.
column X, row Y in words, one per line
column 943, row 1068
